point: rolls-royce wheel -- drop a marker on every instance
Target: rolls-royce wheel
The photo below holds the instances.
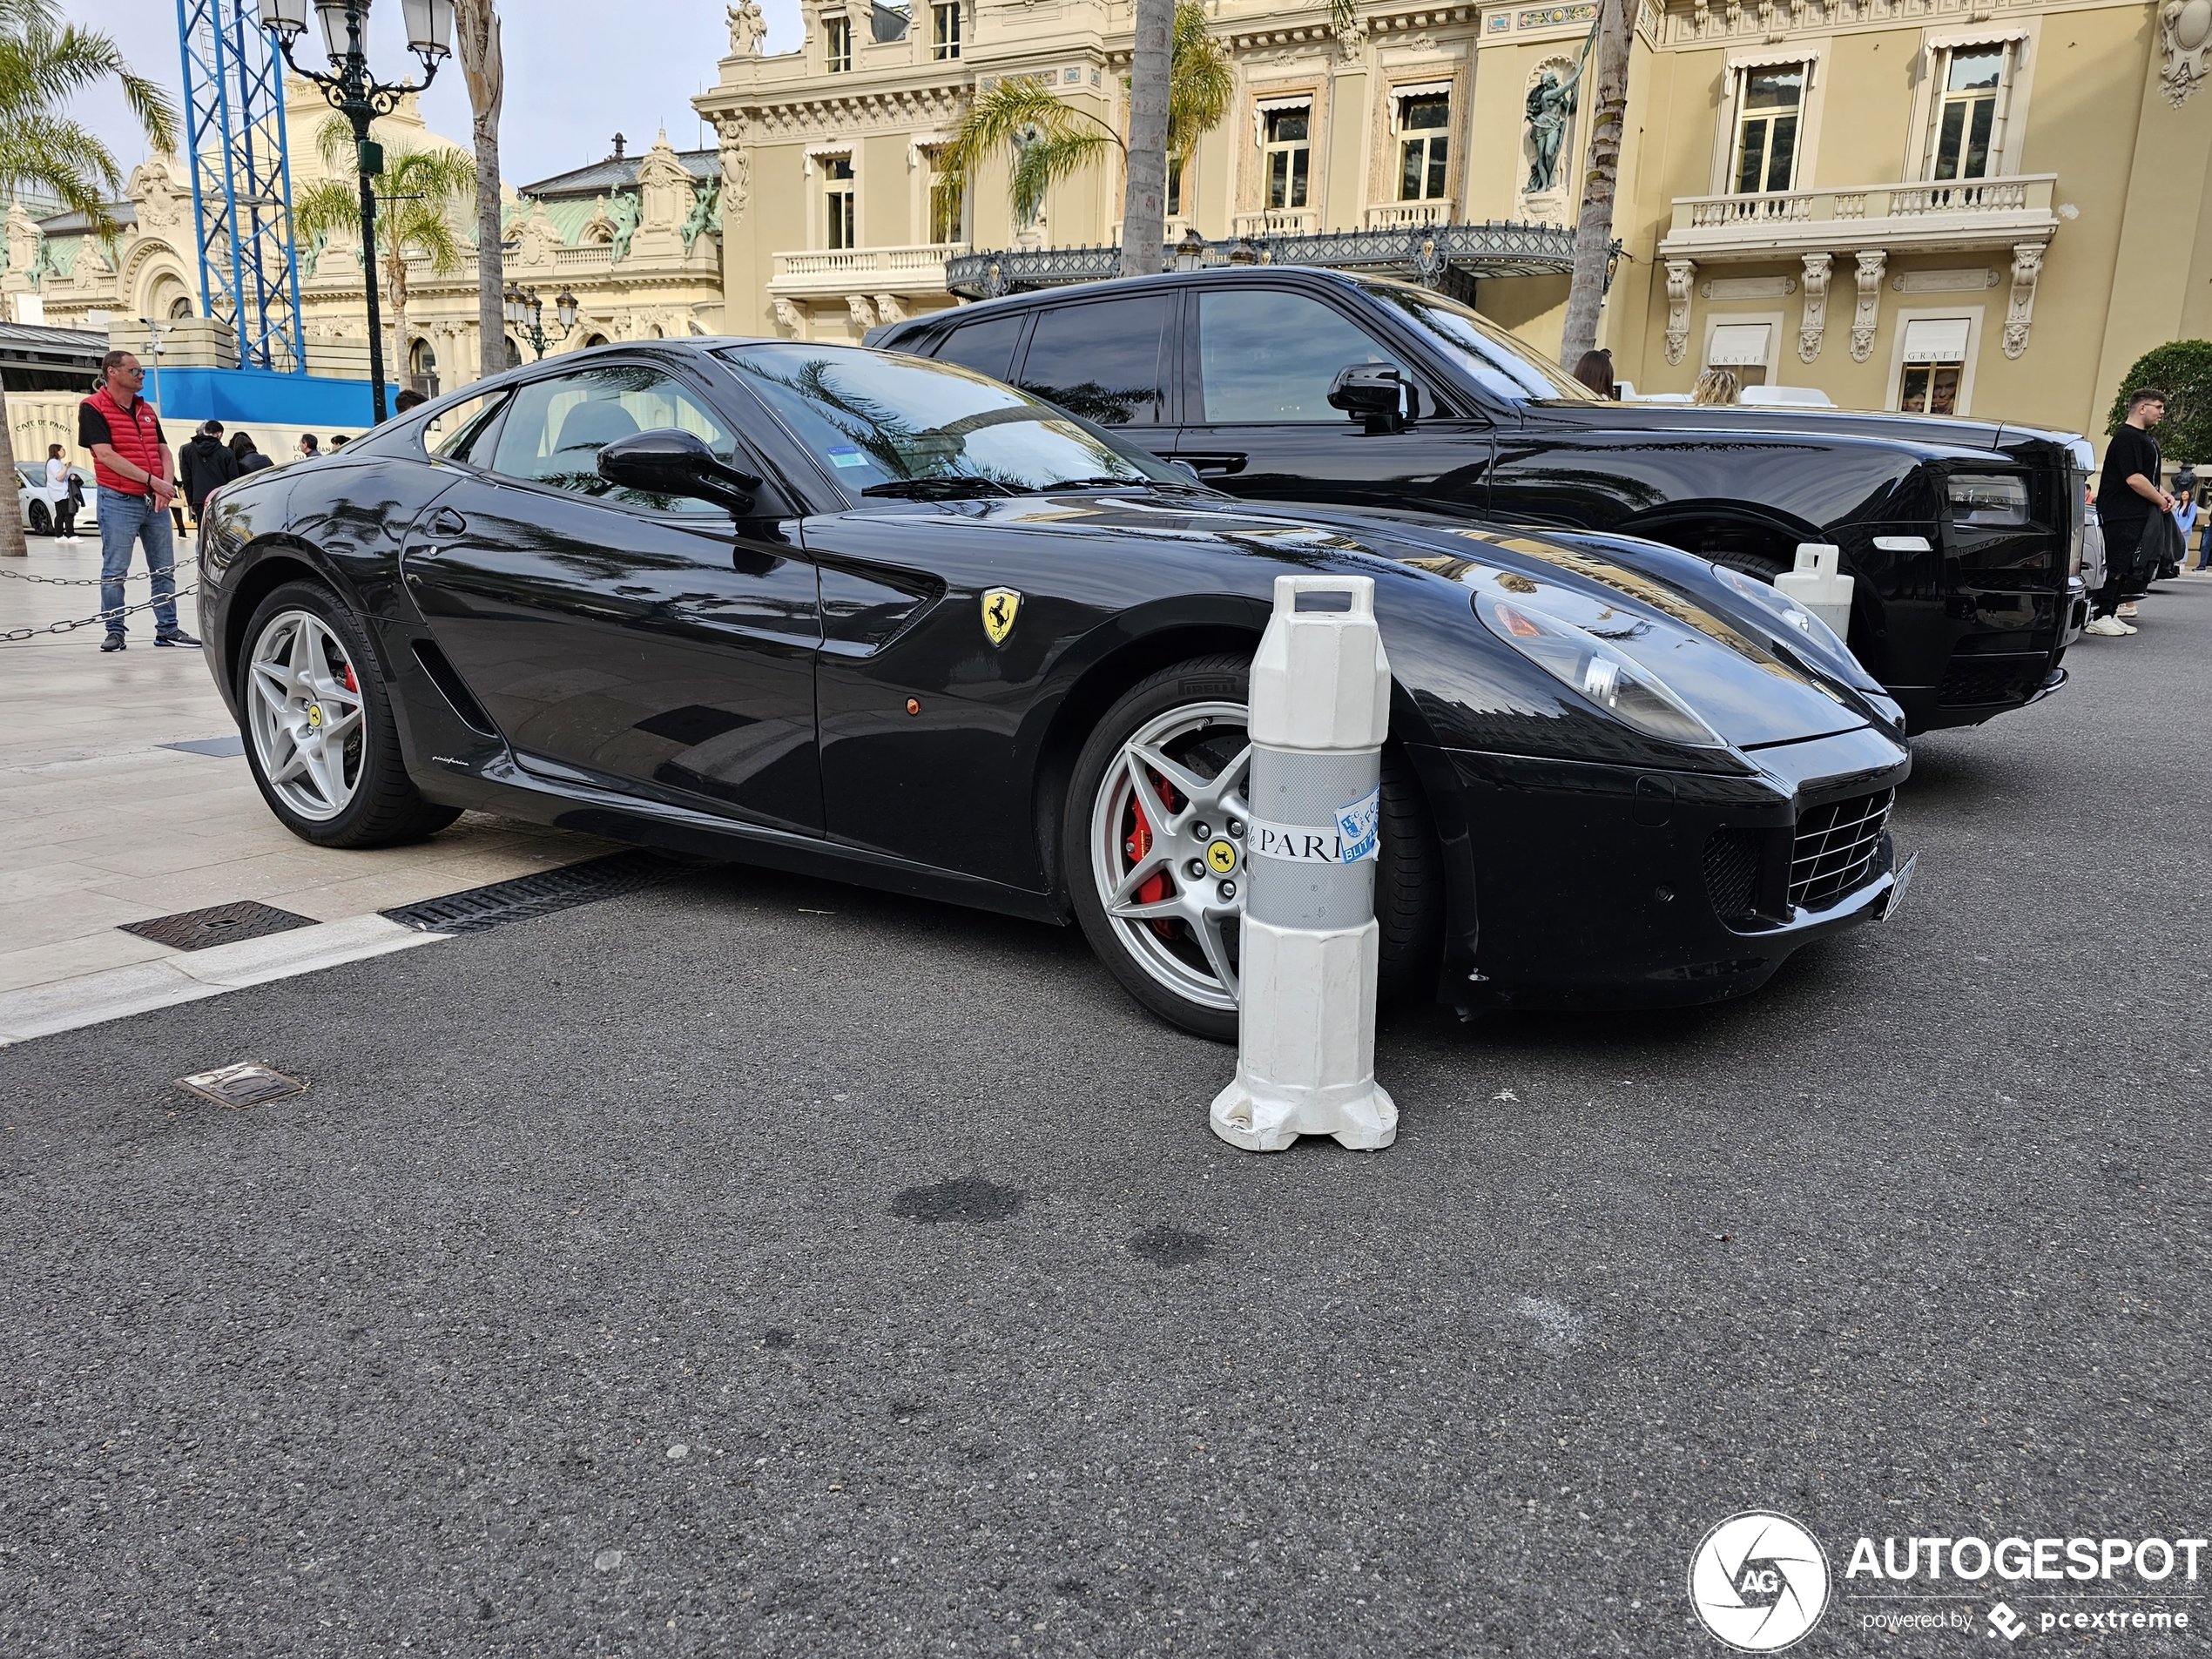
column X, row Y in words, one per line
column 1157, row 790
column 318, row 730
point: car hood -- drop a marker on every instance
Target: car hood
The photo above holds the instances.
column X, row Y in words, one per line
column 1748, row 695
column 1925, row 432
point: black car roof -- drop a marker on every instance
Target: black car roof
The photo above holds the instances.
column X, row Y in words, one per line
column 1213, row 276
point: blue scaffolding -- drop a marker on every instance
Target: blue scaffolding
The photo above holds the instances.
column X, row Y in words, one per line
column 242, row 180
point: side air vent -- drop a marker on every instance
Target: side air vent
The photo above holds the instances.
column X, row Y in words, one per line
column 456, row 690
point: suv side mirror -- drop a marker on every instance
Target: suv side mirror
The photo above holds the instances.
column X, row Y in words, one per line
column 1377, row 394
column 669, row 460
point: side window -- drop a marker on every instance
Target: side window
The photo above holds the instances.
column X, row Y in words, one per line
column 556, row 427
column 986, row 346
column 1100, row 360
column 1267, row 355
column 451, row 432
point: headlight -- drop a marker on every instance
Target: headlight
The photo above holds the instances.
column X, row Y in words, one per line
column 1779, row 603
column 1606, row 676
column 1986, row 499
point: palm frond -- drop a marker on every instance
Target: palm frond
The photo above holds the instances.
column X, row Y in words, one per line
column 1045, row 161
column 1343, row 16
column 43, row 65
column 66, row 159
column 326, row 208
column 1201, row 80
column 1067, row 137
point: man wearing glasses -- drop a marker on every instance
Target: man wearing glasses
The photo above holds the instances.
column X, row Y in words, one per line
column 131, row 467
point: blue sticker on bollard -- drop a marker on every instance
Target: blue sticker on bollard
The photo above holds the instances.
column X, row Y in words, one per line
column 1359, row 825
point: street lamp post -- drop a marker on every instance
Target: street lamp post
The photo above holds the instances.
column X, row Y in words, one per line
column 526, row 315
column 348, row 89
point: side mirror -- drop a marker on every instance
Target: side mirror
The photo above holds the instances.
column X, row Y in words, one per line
column 1377, row 394
column 669, row 460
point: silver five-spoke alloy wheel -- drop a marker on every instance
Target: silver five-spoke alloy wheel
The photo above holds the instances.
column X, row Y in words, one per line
column 1167, row 847
column 304, row 706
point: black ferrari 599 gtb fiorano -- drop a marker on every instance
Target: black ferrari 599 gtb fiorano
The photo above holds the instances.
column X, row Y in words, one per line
column 871, row 618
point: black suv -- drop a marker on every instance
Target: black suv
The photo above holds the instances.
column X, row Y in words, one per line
column 1290, row 384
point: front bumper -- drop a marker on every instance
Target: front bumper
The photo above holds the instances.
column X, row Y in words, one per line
column 1594, row 886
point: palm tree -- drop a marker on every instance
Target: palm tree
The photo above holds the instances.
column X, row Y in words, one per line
column 43, row 62
column 419, row 192
column 1052, row 140
column 480, row 61
column 1593, row 230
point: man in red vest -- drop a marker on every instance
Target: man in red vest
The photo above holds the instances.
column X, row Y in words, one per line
column 132, row 468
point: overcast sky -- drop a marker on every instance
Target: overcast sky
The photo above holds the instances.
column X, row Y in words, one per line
column 577, row 72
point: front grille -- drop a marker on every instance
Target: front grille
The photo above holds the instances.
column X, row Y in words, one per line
column 1967, row 682
column 1732, row 872
column 1835, row 847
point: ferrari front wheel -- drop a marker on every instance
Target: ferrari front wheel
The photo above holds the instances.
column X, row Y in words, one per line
column 1153, row 849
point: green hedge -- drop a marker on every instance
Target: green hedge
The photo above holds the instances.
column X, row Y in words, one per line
column 2183, row 371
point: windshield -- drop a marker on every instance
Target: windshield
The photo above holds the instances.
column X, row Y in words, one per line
column 879, row 422
column 1500, row 364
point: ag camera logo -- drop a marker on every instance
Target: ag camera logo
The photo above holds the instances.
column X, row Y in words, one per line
column 1759, row 1582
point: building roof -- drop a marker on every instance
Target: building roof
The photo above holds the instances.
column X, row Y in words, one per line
column 618, row 173
column 36, row 344
column 76, row 224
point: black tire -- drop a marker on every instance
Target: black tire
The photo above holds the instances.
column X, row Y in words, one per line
column 42, row 522
column 386, row 808
column 1409, row 878
column 1751, row 564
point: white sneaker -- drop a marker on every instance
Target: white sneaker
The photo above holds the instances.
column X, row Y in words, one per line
column 2127, row 611
column 2108, row 627
column 2129, row 628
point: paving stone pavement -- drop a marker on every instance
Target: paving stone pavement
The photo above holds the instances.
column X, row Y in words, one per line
column 104, row 826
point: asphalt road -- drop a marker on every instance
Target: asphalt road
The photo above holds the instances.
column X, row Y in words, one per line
column 762, row 1266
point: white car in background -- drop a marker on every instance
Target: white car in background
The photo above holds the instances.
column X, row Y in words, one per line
column 40, row 502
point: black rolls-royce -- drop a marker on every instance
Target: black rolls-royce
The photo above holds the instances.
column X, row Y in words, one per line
column 1282, row 384
column 864, row 616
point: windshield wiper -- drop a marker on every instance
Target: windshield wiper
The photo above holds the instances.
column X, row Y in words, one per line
column 1095, row 483
column 948, row 487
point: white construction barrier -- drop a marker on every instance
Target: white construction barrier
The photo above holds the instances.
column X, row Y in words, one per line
column 1320, row 709
column 1819, row 585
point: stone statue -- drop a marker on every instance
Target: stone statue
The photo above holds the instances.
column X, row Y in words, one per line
column 622, row 214
column 706, row 210
column 748, row 30
column 1551, row 107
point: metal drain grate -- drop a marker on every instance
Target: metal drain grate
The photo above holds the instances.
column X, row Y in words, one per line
column 246, row 1084
column 481, row 909
column 224, row 924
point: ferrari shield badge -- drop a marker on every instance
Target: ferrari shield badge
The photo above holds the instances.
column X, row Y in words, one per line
column 999, row 606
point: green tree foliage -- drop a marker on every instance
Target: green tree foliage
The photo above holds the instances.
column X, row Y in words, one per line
column 2181, row 369
column 1050, row 140
column 418, row 195
column 45, row 62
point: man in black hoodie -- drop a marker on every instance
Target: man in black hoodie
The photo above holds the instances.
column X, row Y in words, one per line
column 205, row 462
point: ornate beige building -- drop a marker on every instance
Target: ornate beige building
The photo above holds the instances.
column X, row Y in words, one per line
column 1985, row 206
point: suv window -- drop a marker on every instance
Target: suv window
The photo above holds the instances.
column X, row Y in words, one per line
column 554, row 433
column 1265, row 354
column 1100, row 360
column 986, row 346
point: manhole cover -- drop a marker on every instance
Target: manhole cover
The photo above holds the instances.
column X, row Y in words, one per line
column 246, row 1084
column 221, row 924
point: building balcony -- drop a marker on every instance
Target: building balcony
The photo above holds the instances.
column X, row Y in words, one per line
column 1402, row 216
column 826, row 273
column 1901, row 218
column 1277, row 221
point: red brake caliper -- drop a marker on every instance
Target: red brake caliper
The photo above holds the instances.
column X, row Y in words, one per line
column 1139, row 843
column 351, row 685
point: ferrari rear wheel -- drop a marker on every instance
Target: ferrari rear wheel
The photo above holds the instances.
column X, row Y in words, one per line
column 319, row 735
column 1157, row 792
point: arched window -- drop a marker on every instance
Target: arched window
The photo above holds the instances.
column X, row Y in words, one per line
column 594, row 340
column 513, row 355
column 422, row 368
column 180, row 307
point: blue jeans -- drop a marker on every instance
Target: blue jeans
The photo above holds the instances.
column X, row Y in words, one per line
column 123, row 520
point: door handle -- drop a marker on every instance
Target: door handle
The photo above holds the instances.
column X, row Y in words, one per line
column 1224, row 463
column 446, row 522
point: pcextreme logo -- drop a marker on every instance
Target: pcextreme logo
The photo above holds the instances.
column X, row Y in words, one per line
column 1759, row 1582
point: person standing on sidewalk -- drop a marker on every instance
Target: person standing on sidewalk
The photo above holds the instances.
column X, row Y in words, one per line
column 2128, row 494
column 130, row 468
column 57, row 478
column 206, row 463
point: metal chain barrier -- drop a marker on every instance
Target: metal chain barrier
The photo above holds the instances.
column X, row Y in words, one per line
column 75, row 581
column 16, row 636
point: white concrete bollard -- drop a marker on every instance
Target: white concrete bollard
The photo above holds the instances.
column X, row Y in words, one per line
column 1320, row 709
column 1819, row 585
